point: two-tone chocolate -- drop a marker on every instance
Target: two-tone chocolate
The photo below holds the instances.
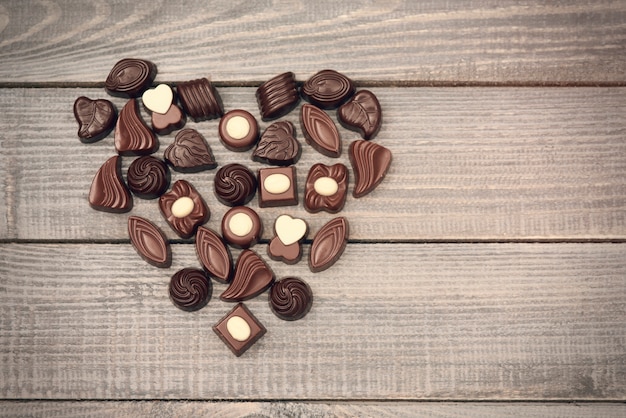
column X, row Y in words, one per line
column 108, row 192
column 286, row 245
column 370, row 163
column 158, row 99
column 169, row 121
column 239, row 329
column 213, row 254
column 148, row 177
column 242, row 227
column 252, row 277
column 189, row 153
column 327, row 89
column 96, row 118
column 290, row 298
column 277, row 96
column 326, row 188
column 277, row 187
column 130, row 77
column 328, row 244
column 132, row 135
column 149, row 242
column 238, row 130
column 320, row 131
column 362, row 113
column 200, row 99
column 234, row 185
column 190, row 289
column 278, row 145
column 184, row 209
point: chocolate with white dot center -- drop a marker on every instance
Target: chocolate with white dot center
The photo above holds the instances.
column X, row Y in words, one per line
column 277, row 186
column 238, row 328
column 237, row 127
column 182, row 207
column 238, row 130
column 240, row 224
column 277, row 183
column 326, row 186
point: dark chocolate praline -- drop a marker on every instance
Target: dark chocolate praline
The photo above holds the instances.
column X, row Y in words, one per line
column 190, row 289
column 290, row 298
column 148, row 177
column 234, row 185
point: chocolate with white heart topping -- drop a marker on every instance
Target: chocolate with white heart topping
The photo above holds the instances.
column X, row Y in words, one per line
column 289, row 234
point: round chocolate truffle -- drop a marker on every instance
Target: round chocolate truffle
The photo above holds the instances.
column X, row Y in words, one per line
column 234, row 184
column 190, row 289
column 290, row 298
column 242, row 227
column 238, row 130
column 148, row 177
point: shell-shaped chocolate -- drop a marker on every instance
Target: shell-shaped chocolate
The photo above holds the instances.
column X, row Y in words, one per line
column 328, row 244
column 234, row 185
column 362, row 113
column 190, row 289
column 132, row 135
column 130, row 77
column 108, row 192
column 277, row 145
column 370, row 163
column 96, row 118
column 290, row 298
column 277, row 96
column 189, row 153
column 200, row 99
column 337, row 175
column 328, row 89
column 320, row 131
column 252, row 277
column 148, row 177
column 198, row 211
column 214, row 255
column 149, row 242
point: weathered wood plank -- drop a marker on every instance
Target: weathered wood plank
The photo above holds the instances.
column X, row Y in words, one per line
column 469, row 164
column 389, row 321
column 489, row 41
column 157, row 409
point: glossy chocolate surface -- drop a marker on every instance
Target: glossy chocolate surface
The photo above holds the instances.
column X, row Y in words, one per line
column 234, row 185
column 132, row 135
column 245, row 141
column 148, row 177
column 130, row 77
column 328, row 245
column 278, row 145
column 96, row 118
column 290, row 298
column 287, row 197
column 149, row 242
column 167, row 122
column 108, row 193
column 189, row 153
column 200, row 99
column 252, row 277
column 184, row 226
column 277, row 96
column 320, row 131
column 314, row 201
column 362, row 113
column 327, row 89
column 286, row 245
column 370, row 163
column 256, row 330
column 235, row 237
column 214, row 255
column 190, row 289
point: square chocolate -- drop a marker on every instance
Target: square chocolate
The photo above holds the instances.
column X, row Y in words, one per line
column 239, row 329
column 277, row 187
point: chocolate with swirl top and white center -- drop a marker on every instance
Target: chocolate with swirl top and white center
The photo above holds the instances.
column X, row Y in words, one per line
column 190, row 289
column 290, row 298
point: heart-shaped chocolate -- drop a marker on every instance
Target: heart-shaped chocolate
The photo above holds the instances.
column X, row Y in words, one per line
column 290, row 230
column 158, row 99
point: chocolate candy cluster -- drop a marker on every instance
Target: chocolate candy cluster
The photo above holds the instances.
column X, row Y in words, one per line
column 186, row 211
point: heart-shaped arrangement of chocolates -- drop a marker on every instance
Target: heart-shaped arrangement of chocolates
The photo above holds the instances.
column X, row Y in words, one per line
column 186, row 211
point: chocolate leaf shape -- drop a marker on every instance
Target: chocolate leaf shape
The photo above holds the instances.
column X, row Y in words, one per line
column 328, row 244
column 252, row 277
column 362, row 113
column 189, row 153
column 320, row 131
column 277, row 145
column 149, row 242
column 96, row 118
column 213, row 254
column 132, row 135
column 370, row 163
column 108, row 192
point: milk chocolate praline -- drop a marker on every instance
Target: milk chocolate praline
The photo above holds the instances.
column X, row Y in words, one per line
column 239, row 344
column 242, row 227
column 238, row 130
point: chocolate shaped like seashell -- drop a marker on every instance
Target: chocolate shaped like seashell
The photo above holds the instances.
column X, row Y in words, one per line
column 132, row 135
column 214, row 255
column 96, row 118
column 320, row 131
column 108, row 192
column 328, row 244
column 362, row 113
column 149, row 242
column 370, row 163
column 189, row 153
column 130, row 77
column 278, row 145
column 252, row 277
column 327, row 89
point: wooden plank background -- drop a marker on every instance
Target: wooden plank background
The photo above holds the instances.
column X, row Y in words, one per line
column 490, row 265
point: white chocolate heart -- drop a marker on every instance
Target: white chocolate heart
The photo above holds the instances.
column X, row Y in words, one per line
column 158, row 99
column 290, row 230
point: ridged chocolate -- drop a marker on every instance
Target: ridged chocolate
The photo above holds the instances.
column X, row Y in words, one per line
column 315, row 202
column 132, row 135
column 108, row 192
column 170, row 121
column 327, row 89
column 130, row 77
column 320, row 131
column 370, row 163
column 185, row 226
column 277, row 96
column 252, row 277
column 96, row 118
column 278, row 145
column 328, row 244
column 148, row 177
column 189, row 153
column 214, row 255
column 149, row 242
column 234, row 185
column 362, row 113
column 190, row 289
column 200, row 100
column 290, row 298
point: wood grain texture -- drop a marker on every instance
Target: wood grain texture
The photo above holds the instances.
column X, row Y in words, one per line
column 166, row 409
column 488, row 41
column 469, row 164
column 438, row 322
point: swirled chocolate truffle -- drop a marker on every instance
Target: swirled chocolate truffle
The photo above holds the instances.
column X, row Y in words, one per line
column 328, row 89
column 148, row 177
column 234, row 185
column 190, row 289
column 277, row 96
column 290, row 298
column 130, row 77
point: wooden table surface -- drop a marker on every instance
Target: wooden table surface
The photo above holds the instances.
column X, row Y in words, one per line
column 486, row 276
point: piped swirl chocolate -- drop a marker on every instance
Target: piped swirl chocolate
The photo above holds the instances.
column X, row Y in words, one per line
column 190, row 289
column 328, row 89
column 130, row 77
column 278, row 145
column 277, row 96
column 96, row 118
column 189, row 153
column 132, row 135
column 148, row 177
column 290, row 298
column 149, row 242
column 234, row 185
column 108, row 193
column 370, row 163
